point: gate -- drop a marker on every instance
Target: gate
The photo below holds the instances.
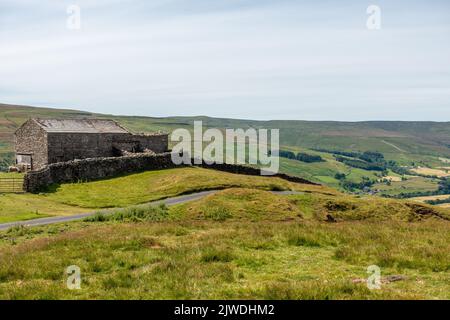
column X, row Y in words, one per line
column 11, row 185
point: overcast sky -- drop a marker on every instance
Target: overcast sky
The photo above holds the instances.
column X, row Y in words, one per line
column 258, row 59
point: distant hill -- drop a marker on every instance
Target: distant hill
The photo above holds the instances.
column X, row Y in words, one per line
column 389, row 137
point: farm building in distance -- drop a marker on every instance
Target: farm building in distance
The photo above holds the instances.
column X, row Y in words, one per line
column 39, row 142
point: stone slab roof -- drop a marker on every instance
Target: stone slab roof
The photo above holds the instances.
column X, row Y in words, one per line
column 80, row 125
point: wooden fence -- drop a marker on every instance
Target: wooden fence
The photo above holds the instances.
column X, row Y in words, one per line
column 11, row 185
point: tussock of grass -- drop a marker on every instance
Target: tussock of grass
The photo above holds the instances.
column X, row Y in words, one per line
column 297, row 240
column 17, row 232
column 218, row 213
column 133, row 214
column 20, row 230
column 216, row 255
column 318, row 290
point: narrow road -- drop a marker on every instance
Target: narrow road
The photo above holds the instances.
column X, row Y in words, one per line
column 168, row 202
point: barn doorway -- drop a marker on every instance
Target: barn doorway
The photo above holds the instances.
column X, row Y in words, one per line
column 24, row 161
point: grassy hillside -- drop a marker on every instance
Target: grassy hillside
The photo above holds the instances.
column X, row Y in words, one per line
column 411, row 144
column 389, row 137
column 240, row 243
column 132, row 189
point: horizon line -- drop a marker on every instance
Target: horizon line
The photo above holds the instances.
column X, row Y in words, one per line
column 204, row 116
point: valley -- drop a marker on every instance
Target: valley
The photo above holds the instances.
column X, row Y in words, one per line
column 419, row 149
column 242, row 241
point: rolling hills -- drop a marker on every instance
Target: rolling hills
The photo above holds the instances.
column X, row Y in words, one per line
column 410, row 144
column 388, row 137
column 241, row 242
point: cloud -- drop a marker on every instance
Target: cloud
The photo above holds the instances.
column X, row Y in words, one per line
column 246, row 59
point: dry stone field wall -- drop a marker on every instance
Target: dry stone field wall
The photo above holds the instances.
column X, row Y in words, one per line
column 100, row 168
column 94, row 169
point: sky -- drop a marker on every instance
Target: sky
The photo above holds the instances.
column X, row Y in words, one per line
column 250, row 59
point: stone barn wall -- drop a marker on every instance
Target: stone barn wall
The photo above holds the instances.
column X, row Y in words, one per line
column 69, row 146
column 158, row 143
column 61, row 140
column 31, row 139
column 64, row 147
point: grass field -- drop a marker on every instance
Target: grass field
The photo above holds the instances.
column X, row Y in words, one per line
column 235, row 244
column 159, row 184
column 412, row 184
column 132, row 189
column 393, row 178
column 431, row 172
column 242, row 242
column 140, row 188
column 324, row 172
column 438, row 197
column 409, row 143
column 15, row 207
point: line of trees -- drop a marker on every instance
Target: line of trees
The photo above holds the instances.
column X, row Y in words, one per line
column 438, row 201
column 368, row 160
column 304, row 157
column 361, row 164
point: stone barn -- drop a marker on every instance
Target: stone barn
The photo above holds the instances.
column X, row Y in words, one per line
column 39, row 142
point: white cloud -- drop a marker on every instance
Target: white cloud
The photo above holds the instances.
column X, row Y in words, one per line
column 278, row 60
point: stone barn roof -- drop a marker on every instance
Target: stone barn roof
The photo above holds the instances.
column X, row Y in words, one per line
column 80, row 125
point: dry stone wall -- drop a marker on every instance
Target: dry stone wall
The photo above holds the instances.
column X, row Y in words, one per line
column 100, row 168
column 94, row 169
column 252, row 171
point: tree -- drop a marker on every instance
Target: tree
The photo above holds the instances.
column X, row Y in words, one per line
column 339, row 176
